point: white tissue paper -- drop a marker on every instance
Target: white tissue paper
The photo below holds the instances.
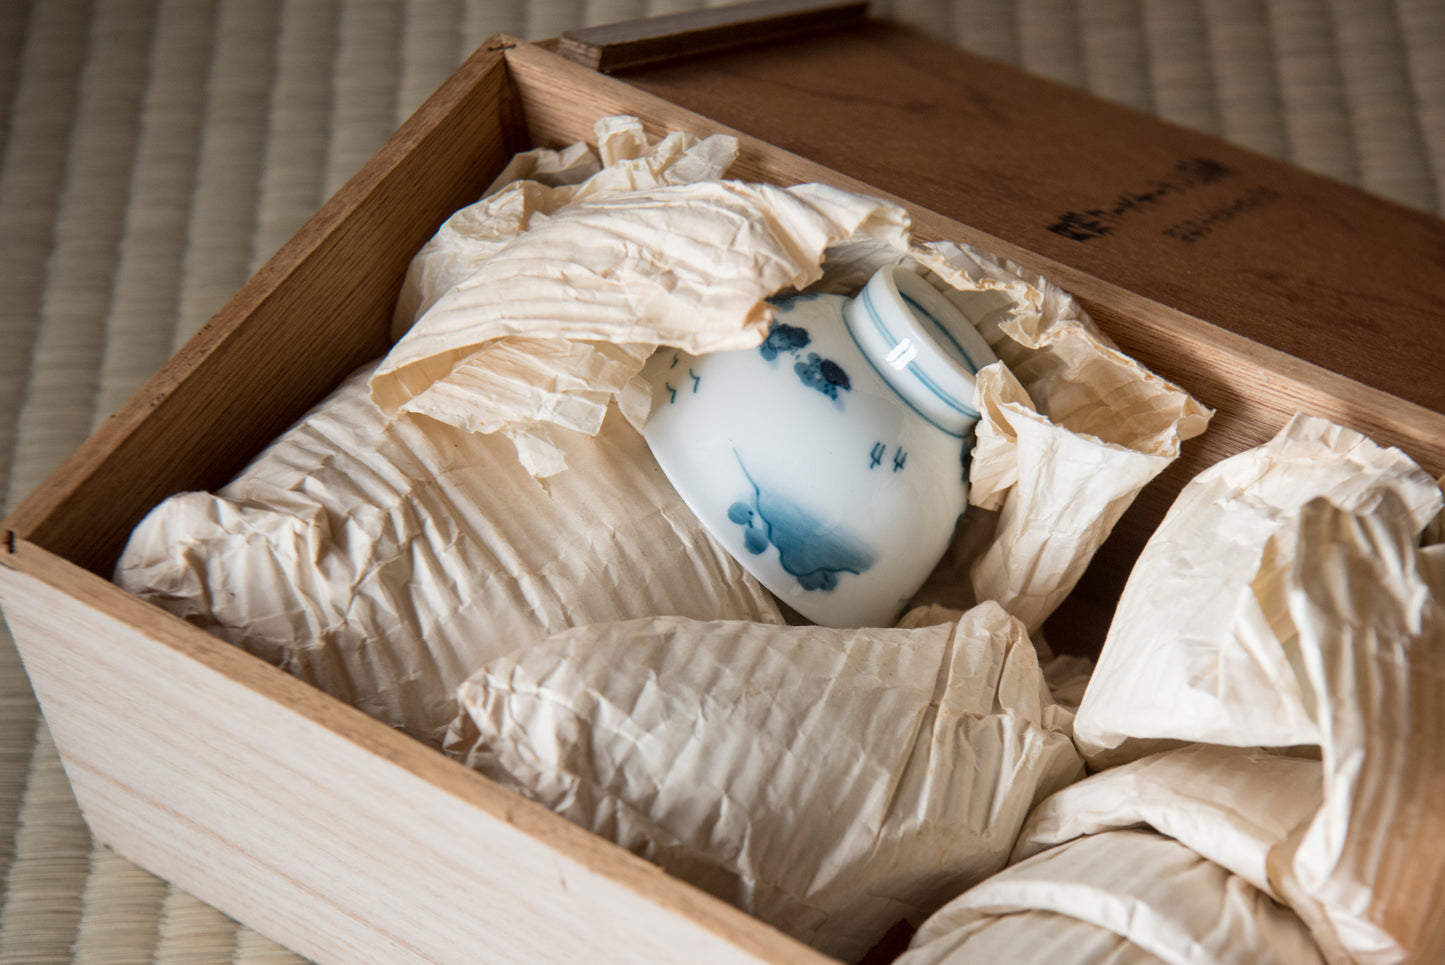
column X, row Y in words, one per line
column 1120, row 896
column 1072, row 430
column 831, row 782
column 1202, row 647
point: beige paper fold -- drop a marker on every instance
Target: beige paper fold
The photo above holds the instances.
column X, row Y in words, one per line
column 1201, row 647
column 383, row 559
column 1353, row 842
column 1229, row 804
column 1154, row 894
column 1072, row 430
column 652, row 249
column 1025, row 937
column 831, row 782
column 1075, row 376
column 1368, row 871
column 536, row 183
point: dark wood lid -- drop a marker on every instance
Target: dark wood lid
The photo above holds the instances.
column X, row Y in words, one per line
column 1320, row 270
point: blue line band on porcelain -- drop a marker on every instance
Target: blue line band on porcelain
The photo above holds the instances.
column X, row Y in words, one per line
column 943, row 396
column 884, row 376
column 943, row 329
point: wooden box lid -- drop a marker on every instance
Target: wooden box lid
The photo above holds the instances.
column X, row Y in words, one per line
column 1313, row 268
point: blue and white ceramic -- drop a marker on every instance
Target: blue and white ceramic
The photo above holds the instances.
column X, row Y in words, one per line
column 831, row 461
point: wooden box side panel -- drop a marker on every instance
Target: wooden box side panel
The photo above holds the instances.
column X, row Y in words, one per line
column 319, row 827
column 318, row 309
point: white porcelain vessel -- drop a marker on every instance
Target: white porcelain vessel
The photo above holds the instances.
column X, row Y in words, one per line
column 831, row 461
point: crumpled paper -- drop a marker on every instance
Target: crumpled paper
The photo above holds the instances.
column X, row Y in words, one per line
column 1349, row 833
column 1229, row 804
column 383, row 559
column 1202, row 646
column 831, row 782
column 1072, row 430
column 519, row 293
column 537, row 182
column 1120, row 896
column 1368, row 871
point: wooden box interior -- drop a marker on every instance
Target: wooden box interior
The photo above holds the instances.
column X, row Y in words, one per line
column 300, row 816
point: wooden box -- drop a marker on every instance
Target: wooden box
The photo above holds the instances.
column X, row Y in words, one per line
column 326, row 830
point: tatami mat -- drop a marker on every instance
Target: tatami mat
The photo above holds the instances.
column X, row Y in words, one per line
column 154, row 152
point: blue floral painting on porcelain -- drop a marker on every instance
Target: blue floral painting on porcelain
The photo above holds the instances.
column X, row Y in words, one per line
column 830, row 460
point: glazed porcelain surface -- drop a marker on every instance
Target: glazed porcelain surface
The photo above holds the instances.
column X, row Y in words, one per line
column 830, row 460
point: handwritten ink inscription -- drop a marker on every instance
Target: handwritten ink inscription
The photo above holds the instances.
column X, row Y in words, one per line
column 1184, row 179
column 1192, row 229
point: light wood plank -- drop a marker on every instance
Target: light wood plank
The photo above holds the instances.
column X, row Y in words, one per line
column 318, row 826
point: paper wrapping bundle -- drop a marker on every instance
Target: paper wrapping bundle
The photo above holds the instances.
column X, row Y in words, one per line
column 600, row 260
column 831, row 782
column 1349, row 836
column 1202, row 646
column 1117, row 897
column 385, row 555
column 383, row 559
